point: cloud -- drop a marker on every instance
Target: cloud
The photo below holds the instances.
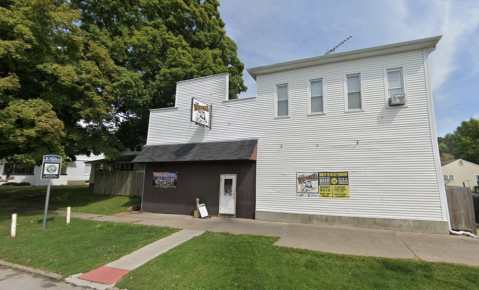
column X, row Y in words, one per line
column 269, row 32
column 457, row 23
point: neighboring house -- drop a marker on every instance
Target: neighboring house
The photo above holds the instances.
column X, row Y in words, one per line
column 320, row 143
column 77, row 173
column 459, row 172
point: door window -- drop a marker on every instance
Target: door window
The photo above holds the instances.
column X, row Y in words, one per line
column 228, row 187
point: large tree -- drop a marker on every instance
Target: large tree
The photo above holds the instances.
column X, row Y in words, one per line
column 467, row 138
column 463, row 143
column 80, row 76
column 166, row 41
column 56, row 84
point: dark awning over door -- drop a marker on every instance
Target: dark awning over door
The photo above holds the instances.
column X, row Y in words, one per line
column 207, row 151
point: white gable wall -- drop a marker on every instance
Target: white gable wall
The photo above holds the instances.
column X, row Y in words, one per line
column 388, row 152
column 231, row 120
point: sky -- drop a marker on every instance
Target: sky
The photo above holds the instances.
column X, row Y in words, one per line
column 272, row 31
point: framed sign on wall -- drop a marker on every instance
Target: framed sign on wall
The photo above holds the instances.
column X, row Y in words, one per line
column 307, row 184
column 201, row 113
column 333, row 184
column 165, row 179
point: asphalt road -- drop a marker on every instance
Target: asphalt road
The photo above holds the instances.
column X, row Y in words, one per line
column 13, row 279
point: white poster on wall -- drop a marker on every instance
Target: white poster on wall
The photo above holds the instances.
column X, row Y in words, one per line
column 307, row 184
column 200, row 113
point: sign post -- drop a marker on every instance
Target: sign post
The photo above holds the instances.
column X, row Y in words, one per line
column 51, row 168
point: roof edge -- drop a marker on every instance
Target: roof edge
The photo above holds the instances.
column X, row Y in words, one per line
column 220, row 141
column 347, row 55
column 210, row 76
column 460, row 160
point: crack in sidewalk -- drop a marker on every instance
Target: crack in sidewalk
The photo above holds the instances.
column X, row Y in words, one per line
column 416, row 257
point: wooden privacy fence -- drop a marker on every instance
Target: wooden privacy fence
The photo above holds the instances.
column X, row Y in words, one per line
column 461, row 209
column 119, row 183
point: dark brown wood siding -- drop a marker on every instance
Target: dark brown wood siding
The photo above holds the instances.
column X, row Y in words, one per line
column 200, row 180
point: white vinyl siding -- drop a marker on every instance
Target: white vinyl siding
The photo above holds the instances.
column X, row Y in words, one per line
column 388, row 153
column 316, row 99
column 282, row 101
column 354, row 94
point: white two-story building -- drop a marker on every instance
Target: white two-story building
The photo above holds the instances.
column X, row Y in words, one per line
column 342, row 139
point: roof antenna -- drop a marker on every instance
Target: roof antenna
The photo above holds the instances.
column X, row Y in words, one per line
column 334, row 48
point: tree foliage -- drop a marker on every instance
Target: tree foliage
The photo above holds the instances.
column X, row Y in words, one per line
column 25, row 124
column 95, row 68
column 463, row 143
column 166, row 41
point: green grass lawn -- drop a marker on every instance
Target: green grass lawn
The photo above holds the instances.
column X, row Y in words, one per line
column 82, row 246
column 80, row 198
column 226, row 261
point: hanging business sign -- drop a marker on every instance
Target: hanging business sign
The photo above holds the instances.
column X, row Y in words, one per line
column 201, row 113
column 333, row 184
column 51, row 167
column 307, row 184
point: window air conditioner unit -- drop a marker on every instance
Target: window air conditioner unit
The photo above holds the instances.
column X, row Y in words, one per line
column 397, row 100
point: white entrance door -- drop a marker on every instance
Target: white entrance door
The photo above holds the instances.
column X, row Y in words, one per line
column 228, row 194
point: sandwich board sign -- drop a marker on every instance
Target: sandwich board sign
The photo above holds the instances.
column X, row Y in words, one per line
column 51, row 168
column 203, row 211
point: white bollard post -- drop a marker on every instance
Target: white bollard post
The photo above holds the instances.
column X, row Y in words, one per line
column 13, row 231
column 69, row 211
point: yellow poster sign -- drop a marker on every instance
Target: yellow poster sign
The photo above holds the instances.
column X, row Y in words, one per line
column 333, row 184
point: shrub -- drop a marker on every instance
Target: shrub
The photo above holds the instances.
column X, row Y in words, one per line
column 9, row 183
column 22, row 184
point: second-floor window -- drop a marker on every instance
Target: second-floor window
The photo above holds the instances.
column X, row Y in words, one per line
column 395, row 82
column 354, row 98
column 316, row 99
column 282, row 100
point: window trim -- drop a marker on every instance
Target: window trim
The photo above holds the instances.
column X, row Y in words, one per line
column 477, row 179
column 309, row 96
column 361, row 92
column 451, row 180
column 276, row 116
column 386, row 85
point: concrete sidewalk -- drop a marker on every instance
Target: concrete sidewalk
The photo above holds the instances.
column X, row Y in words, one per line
column 339, row 240
column 106, row 276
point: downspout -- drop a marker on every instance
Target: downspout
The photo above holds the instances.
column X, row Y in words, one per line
column 461, row 232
